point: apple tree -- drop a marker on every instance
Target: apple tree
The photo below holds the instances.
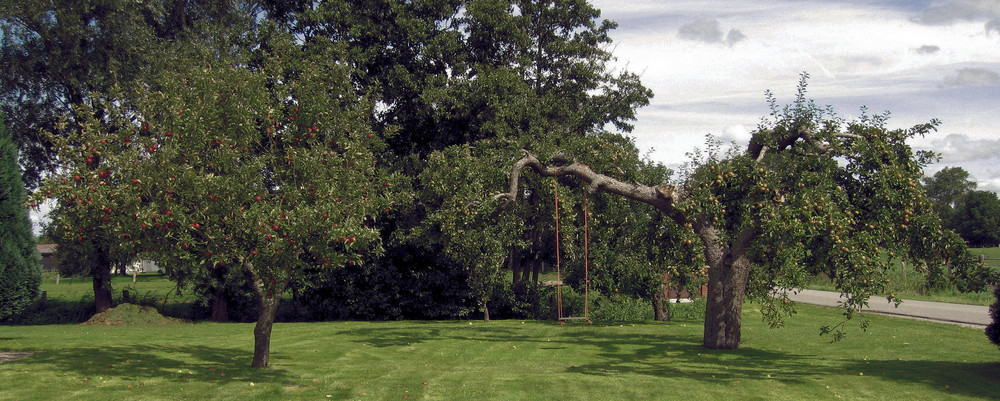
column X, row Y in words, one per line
column 812, row 193
column 235, row 168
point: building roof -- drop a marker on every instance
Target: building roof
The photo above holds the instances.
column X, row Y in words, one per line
column 46, row 249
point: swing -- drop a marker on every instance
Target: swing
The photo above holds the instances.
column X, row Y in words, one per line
column 586, row 261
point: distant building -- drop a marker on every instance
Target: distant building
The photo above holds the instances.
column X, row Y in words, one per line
column 144, row 266
column 49, row 261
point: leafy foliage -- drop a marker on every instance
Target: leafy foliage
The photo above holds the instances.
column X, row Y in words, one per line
column 811, row 193
column 946, row 188
column 58, row 55
column 224, row 173
column 977, row 219
column 993, row 329
column 20, row 271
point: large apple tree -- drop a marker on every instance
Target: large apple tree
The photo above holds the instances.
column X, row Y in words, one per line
column 233, row 169
column 811, row 194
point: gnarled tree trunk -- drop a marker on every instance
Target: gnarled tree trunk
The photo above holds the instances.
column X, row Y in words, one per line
column 728, row 272
column 724, row 310
column 729, row 267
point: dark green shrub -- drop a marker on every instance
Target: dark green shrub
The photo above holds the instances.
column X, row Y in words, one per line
column 408, row 283
column 993, row 329
column 619, row 308
column 971, row 275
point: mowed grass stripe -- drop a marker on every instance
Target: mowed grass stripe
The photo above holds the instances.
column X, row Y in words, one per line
column 503, row 360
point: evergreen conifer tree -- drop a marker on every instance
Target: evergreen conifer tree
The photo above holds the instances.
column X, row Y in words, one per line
column 20, row 271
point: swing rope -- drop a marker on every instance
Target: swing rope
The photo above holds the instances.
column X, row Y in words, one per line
column 586, row 257
column 555, row 186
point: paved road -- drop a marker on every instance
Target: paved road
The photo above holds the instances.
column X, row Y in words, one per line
column 969, row 315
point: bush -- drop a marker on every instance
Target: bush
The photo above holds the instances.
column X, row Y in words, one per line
column 522, row 301
column 688, row 310
column 621, row 308
column 409, row 283
column 993, row 329
column 971, row 275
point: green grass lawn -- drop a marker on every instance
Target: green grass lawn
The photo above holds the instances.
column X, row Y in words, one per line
column 992, row 253
column 147, row 284
column 502, row 360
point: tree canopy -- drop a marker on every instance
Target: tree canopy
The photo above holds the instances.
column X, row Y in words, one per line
column 970, row 213
column 812, row 193
column 946, row 188
column 280, row 144
column 58, row 55
column 977, row 219
column 226, row 173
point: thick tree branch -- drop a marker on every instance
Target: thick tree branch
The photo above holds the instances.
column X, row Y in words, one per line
column 757, row 149
column 662, row 197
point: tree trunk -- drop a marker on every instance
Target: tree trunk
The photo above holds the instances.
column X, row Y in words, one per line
column 102, row 286
column 514, row 264
column 727, row 279
column 535, row 272
column 262, row 331
column 220, row 305
column 532, row 267
column 661, row 306
column 486, row 313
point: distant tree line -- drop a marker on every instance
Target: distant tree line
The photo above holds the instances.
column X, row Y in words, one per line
column 973, row 214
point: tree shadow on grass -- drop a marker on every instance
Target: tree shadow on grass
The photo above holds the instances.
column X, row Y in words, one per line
column 981, row 380
column 682, row 356
column 188, row 363
column 389, row 334
column 674, row 355
column 669, row 355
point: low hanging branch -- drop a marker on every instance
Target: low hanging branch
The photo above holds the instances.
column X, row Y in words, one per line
column 662, row 197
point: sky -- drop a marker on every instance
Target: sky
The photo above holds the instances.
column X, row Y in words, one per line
column 709, row 64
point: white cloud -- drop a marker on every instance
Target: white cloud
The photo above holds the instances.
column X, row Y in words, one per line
column 886, row 55
column 927, row 49
column 709, row 31
column 972, row 76
column 40, row 218
column 993, row 25
column 737, row 133
column 960, row 10
column 701, row 30
column 960, row 148
column 734, row 36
